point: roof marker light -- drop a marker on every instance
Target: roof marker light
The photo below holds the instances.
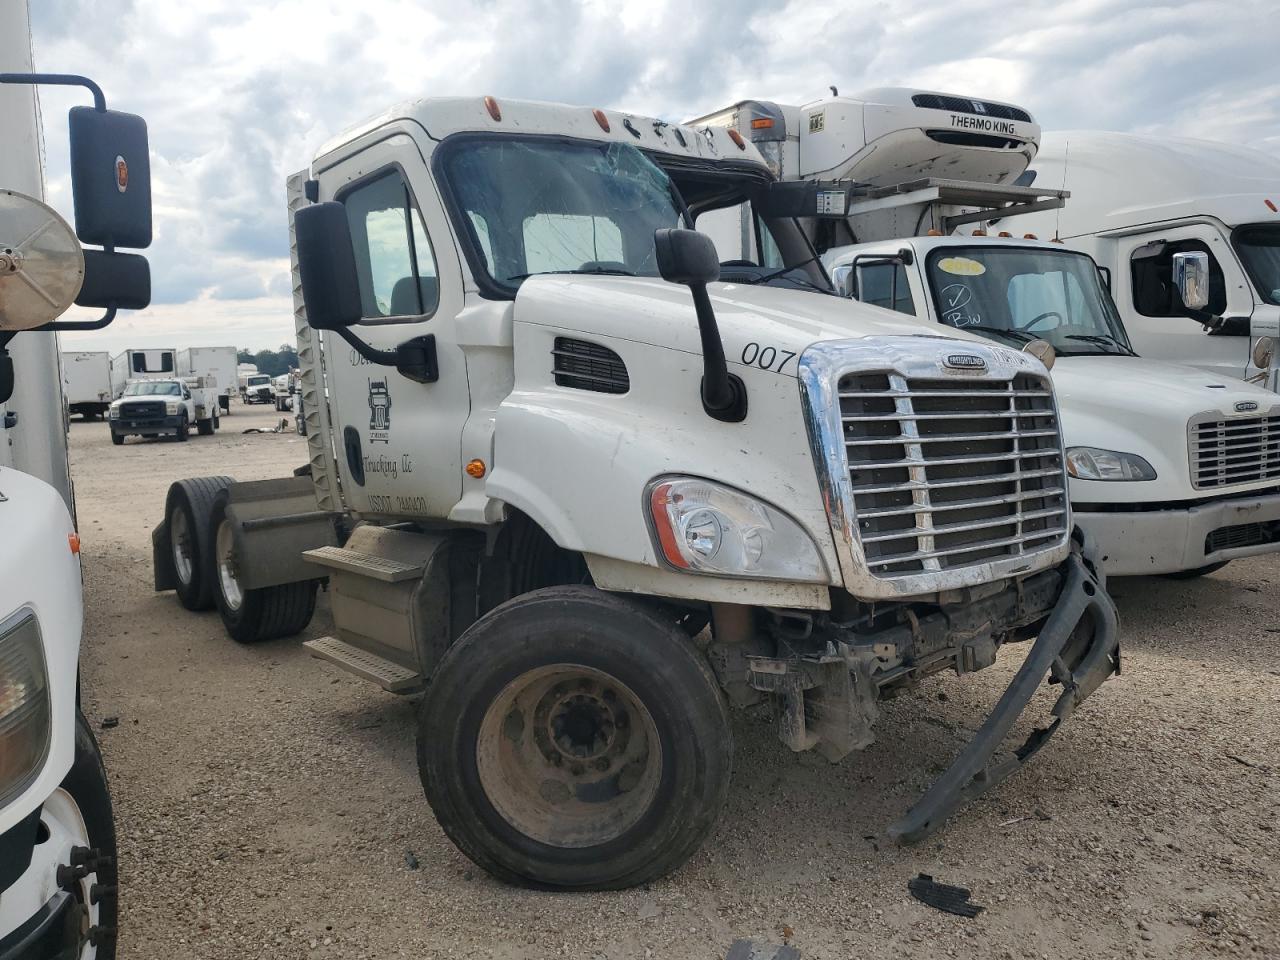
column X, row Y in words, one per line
column 979, row 233
column 736, row 137
column 601, row 119
column 495, row 111
column 1004, row 233
column 1029, row 236
column 933, row 232
column 1270, row 206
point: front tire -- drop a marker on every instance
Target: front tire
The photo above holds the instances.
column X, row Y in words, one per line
column 184, row 429
column 575, row 740
column 117, row 438
column 265, row 613
column 205, row 427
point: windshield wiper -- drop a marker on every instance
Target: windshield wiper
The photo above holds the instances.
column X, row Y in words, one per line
column 773, row 274
column 594, row 271
column 1102, row 339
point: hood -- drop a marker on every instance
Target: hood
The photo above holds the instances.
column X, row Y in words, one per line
column 649, row 310
column 1141, row 406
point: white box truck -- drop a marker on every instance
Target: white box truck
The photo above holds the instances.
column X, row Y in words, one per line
column 217, row 367
column 1139, row 201
column 1172, row 470
column 57, row 837
column 142, row 364
column 86, row 382
column 549, row 448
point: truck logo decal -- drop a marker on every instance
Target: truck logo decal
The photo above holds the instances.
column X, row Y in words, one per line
column 379, row 412
column 1245, row 405
column 978, row 106
column 964, row 361
column 122, row 174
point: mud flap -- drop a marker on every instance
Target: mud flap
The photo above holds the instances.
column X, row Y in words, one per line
column 1079, row 646
column 166, row 578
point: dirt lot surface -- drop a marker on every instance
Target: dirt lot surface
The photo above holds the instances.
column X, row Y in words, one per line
column 268, row 804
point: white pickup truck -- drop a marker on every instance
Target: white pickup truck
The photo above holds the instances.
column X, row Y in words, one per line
column 155, row 408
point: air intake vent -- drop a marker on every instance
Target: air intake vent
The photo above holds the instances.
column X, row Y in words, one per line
column 589, row 366
column 959, row 139
column 982, row 108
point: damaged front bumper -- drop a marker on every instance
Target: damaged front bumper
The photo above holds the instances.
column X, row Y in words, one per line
column 1078, row 646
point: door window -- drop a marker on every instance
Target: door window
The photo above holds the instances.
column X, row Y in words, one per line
column 394, row 261
column 1154, row 293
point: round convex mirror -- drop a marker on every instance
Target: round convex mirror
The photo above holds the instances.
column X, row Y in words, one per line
column 41, row 263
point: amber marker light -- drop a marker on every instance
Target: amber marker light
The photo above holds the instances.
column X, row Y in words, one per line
column 476, row 469
column 736, row 137
column 762, row 123
column 601, row 119
column 73, row 541
column 491, row 105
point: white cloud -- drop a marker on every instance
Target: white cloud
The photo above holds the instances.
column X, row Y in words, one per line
column 237, row 95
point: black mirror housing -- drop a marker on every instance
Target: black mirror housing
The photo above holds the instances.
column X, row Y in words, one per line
column 686, row 257
column 120, row 280
column 6, row 376
column 327, row 266
column 110, row 178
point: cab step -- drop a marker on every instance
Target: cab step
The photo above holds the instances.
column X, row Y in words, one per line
column 391, row 676
column 368, row 565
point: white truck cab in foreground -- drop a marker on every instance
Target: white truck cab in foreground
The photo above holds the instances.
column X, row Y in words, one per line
column 1137, row 201
column 160, row 407
column 548, row 447
column 57, row 839
column 1171, row 469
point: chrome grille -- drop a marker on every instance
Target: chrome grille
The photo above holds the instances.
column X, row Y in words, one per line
column 949, row 473
column 142, row 409
column 1237, row 450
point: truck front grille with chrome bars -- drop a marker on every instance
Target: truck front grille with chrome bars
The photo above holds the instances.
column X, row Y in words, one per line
column 949, row 473
column 1224, row 452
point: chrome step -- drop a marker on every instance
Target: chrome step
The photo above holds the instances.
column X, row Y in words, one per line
column 388, row 675
column 364, row 564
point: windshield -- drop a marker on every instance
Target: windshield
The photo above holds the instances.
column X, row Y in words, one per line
column 153, row 388
column 1019, row 294
column 1259, row 248
column 537, row 205
column 257, row 381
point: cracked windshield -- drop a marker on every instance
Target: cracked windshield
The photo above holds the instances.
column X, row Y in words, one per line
column 1017, row 295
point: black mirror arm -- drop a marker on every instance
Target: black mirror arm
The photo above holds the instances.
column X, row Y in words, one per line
column 56, row 325
column 414, row 359
column 59, row 80
column 384, row 358
column 724, row 396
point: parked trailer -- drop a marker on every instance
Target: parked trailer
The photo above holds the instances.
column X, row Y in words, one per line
column 527, row 507
column 1168, row 467
column 86, row 382
column 57, row 837
column 142, row 364
column 215, row 366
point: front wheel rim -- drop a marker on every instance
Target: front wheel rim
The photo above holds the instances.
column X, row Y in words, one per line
column 569, row 756
column 228, row 571
column 181, row 543
column 66, row 825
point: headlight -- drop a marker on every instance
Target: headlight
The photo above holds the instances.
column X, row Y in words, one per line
column 24, row 706
column 172, row 407
column 705, row 527
column 114, row 413
column 1090, row 463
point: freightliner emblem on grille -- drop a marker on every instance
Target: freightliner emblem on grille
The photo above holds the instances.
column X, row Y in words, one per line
column 1245, row 405
column 964, row 361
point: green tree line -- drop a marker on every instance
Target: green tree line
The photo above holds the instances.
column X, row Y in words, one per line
column 271, row 362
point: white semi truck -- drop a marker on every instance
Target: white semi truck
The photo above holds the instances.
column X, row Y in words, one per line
column 1138, row 202
column 1172, row 470
column 216, row 367
column 548, row 449
column 141, row 363
column 57, row 839
column 86, row 382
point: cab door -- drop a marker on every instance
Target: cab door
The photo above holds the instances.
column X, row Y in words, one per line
column 1160, row 327
column 397, row 442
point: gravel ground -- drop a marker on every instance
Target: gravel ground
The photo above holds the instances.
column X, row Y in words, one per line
column 268, row 804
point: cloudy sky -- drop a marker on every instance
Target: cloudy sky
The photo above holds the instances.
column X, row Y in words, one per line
column 239, row 93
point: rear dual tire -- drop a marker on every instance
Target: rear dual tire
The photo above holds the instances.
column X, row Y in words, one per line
column 575, row 740
column 188, row 513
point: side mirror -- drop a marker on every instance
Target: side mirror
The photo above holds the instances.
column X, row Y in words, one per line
column 110, row 178
column 120, row 280
column 6, row 376
column 1264, row 352
column 842, row 279
column 1191, row 277
column 327, row 266
column 686, row 257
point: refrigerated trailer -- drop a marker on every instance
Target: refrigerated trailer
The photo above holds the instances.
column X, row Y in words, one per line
column 156, row 363
column 215, row 366
column 86, row 382
column 57, row 838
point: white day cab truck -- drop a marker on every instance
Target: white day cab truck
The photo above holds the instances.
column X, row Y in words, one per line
column 256, row 388
column 1172, row 470
column 1140, row 201
column 165, row 407
column 86, row 382
column 217, row 367
column 57, row 839
column 548, row 493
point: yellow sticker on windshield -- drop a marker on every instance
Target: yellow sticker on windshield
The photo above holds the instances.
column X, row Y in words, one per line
column 961, row 267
